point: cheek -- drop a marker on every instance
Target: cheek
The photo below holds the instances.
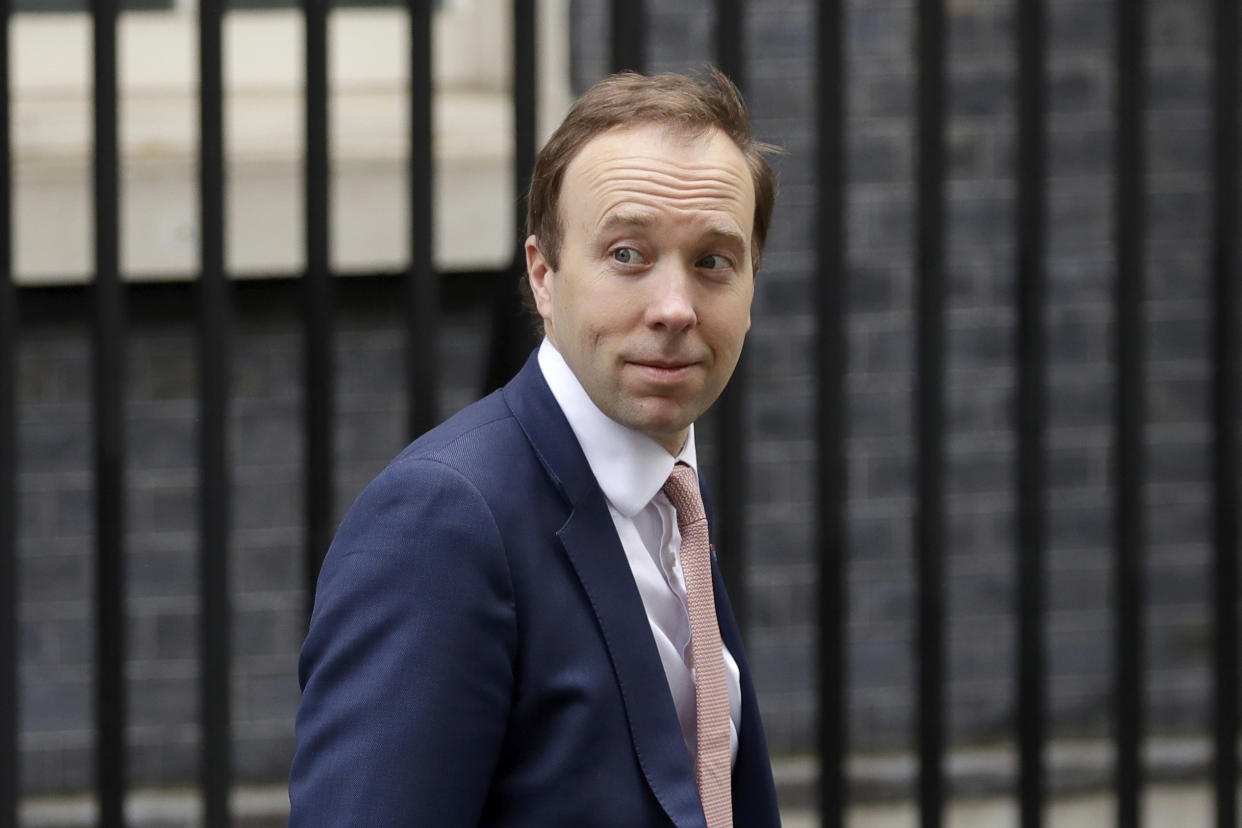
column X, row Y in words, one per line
column 587, row 329
column 732, row 322
column 603, row 317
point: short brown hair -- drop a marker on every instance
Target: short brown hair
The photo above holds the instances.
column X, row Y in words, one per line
column 684, row 104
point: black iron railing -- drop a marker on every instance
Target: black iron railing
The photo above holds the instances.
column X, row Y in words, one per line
column 215, row 333
column 108, row 376
column 1227, row 404
column 8, row 461
column 629, row 23
column 1032, row 409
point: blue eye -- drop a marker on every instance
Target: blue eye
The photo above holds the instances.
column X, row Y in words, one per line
column 625, row 255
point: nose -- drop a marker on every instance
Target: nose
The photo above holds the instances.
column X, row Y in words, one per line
column 671, row 303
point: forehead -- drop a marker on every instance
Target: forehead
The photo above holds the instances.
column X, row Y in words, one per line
column 652, row 169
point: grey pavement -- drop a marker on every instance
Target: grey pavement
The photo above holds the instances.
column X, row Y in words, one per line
column 1182, row 805
column 1165, row 806
column 982, row 778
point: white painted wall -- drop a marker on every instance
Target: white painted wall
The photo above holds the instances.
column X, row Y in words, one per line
column 51, row 71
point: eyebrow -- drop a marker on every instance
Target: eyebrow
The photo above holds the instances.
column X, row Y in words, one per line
column 729, row 234
column 624, row 218
column 629, row 218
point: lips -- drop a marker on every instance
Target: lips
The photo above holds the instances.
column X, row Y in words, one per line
column 662, row 364
column 664, row 371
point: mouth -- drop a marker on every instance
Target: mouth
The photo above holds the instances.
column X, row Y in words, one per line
column 664, row 371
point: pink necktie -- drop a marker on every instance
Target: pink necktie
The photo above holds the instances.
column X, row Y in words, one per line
column 712, row 769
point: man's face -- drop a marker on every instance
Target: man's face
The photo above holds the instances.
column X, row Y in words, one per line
column 651, row 301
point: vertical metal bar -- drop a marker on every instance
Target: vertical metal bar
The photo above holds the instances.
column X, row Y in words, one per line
column 629, row 35
column 730, row 48
column 422, row 293
column 317, row 296
column 1031, row 417
column 109, row 384
column 1128, row 463
column 731, row 446
column 525, row 77
column 830, row 439
column 10, row 776
column 1227, row 407
column 214, row 349
column 512, row 333
column 929, row 521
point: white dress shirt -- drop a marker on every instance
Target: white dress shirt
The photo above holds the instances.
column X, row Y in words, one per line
column 631, row 469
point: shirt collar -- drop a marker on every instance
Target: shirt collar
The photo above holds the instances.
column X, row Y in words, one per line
column 629, row 466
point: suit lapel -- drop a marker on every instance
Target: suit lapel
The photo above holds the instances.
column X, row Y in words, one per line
column 754, row 791
column 600, row 562
column 590, row 541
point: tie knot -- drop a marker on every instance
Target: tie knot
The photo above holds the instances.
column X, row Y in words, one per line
column 682, row 490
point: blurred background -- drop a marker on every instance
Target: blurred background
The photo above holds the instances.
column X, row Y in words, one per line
column 978, row 470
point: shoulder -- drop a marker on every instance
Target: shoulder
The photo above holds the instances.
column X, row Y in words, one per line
column 458, row 453
column 442, row 472
column 498, row 445
column 459, row 478
column 426, row 522
column 466, row 490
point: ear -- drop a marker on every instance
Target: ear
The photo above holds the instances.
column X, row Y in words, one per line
column 541, row 276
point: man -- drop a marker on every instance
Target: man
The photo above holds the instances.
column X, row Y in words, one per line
column 519, row 622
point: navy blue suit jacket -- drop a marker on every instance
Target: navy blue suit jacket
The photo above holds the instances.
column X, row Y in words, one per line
column 479, row 654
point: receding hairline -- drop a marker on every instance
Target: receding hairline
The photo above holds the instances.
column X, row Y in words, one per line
column 684, row 133
column 688, row 133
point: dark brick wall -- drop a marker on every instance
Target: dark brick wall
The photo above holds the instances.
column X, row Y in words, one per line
column 54, row 386
column 266, row 569
column 980, row 215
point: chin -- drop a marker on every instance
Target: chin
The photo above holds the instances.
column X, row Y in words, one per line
column 666, row 425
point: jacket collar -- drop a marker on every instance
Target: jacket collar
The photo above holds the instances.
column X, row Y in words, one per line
column 590, row 541
column 629, row 466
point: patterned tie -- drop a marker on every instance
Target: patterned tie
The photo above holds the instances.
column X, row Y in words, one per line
column 711, row 690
